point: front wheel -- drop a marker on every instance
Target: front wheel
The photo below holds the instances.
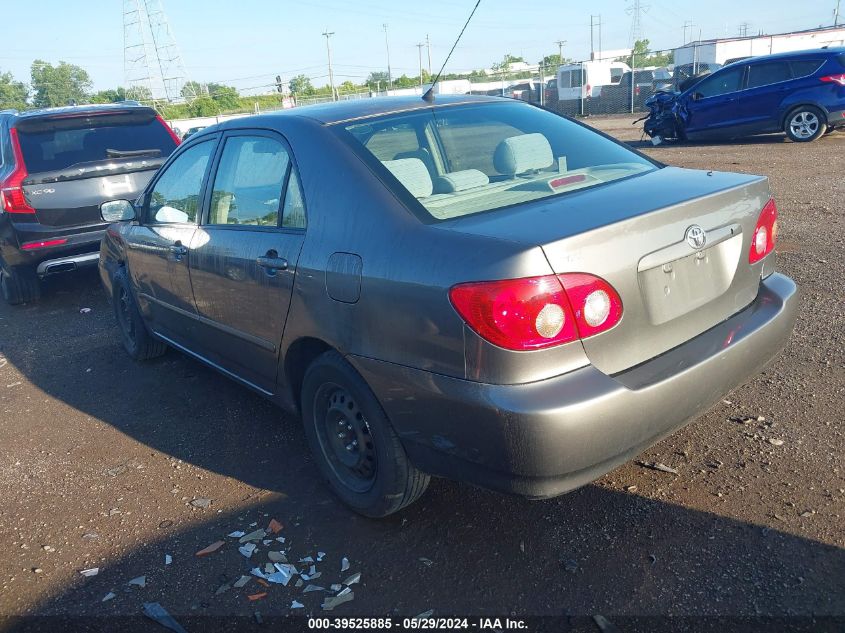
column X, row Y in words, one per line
column 136, row 339
column 356, row 449
column 805, row 124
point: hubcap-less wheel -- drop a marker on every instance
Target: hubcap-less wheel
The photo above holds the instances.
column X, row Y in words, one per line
column 345, row 437
column 804, row 124
column 124, row 315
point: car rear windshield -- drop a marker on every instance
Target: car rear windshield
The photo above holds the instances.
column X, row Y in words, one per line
column 465, row 159
column 54, row 144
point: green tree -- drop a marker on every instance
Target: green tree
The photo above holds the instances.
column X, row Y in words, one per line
column 58, row 85
column 506, row 62
column 552, row 62
column 204, row 106
column 644, row 57
column 13, row 94
column 378, row 78
column 226, row 97
column 301, row 85
column 109, row 96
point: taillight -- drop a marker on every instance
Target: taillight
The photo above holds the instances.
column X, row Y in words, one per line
column 765, row 234
column 837, row 79
column 11, row 191
column 32, row 246
column 169, row 129
column 538, row 312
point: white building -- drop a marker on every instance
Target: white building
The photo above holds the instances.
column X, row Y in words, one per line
column 726, row 49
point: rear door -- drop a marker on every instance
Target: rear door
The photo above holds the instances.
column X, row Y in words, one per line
column 77, row 160
column 767, row 85
column 244, row 256
column 158, row 245
column 713, row 103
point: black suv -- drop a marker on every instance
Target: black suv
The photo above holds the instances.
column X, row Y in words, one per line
column 57, row 166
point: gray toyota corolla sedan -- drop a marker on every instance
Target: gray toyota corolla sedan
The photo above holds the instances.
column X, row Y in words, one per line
column 473, row 288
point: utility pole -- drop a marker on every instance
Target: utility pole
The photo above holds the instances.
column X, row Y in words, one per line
column 595, row 20
column 688, row 24
column 419, row 48
column 327, row 35
column 560, row 45
column 387, row 46
column 428, row 48
column 836, row 14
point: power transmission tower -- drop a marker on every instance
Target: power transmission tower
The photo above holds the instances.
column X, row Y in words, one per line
column 743, row 29
column 152, row 65
column 636, row 10
column 327, row 35
column 836, row 14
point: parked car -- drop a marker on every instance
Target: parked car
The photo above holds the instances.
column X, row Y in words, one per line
column 193, row 130
column 663, row 79
column 686, row 75
column 475, row 288
column 800, row 93
column 617, row 97
column 57, row 166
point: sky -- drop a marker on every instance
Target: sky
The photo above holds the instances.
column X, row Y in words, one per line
column 248, row 42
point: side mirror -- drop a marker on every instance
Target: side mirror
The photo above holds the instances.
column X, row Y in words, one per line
column 117, row 211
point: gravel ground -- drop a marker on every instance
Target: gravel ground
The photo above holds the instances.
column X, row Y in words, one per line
column 101, row 457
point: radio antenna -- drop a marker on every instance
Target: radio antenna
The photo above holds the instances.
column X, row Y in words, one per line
column 429, row 94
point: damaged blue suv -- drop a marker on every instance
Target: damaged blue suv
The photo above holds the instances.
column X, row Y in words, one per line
column 800, row 93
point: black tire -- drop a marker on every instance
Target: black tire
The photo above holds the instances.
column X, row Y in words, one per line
column 19, row 285
column 375, row 477
column 134, row 335
column 805, row 124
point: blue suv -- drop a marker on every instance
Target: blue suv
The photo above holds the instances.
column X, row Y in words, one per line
column 800, row 93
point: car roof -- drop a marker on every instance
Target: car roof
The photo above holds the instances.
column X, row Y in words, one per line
column 338, row 111
column 812, row 52
column 121, row 106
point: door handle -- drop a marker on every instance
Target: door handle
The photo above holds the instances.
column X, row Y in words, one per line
column 272, row 263
column 178, row 251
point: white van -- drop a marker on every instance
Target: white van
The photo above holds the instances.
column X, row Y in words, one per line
column 583, row 81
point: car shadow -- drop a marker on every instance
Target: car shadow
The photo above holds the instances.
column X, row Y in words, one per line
column 459, row 550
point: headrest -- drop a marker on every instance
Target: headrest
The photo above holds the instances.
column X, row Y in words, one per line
column 519, row 154
column 412, row 173
column 461, row 181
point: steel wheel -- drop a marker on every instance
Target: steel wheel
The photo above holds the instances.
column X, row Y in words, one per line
column 345, row 437
column 124, row 315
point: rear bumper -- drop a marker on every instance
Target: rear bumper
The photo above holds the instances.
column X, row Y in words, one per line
column 545, row 438
column 836, row 118
column 78, row 244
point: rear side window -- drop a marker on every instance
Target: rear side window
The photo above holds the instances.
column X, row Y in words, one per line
column 54, row 145
column 248, row 185
column 768, row 73
column 805, row 67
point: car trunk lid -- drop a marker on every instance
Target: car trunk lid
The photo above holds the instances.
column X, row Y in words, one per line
column 77, row 160
column 633, row 233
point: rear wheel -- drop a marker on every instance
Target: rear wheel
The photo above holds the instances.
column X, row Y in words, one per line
column 805, row 124
column 136, row 339
column 353, row 442
column 19, row 285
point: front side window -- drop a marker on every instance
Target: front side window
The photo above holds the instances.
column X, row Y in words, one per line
column 176, row 195
column 722, row 83
column 494, row 155
column 248, row 184
column 768, row 73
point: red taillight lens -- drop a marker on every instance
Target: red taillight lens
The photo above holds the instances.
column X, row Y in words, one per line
column 765, row 234
column 538, row 312
column 11, row 192
column 32, row 246
column 169, row 129
column 837, row 79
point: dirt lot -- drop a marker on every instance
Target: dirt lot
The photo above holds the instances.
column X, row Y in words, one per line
column 100, row 459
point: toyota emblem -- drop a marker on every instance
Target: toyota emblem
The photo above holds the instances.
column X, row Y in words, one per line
column 696, row 237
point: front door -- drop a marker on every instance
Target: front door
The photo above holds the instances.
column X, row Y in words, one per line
column 158, row 246
column 243, row 257
column 713, row 103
